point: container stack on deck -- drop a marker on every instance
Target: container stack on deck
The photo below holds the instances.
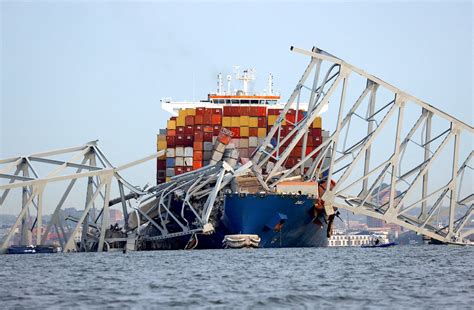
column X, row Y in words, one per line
column 189, row 138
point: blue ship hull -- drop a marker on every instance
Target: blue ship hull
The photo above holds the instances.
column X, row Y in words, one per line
column 279, row 220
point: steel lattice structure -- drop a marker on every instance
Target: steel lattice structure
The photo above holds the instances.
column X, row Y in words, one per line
column 372, row 160
column 352, row 166
column 89, row 163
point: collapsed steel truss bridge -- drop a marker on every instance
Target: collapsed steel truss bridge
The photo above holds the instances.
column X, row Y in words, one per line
column 373, row 161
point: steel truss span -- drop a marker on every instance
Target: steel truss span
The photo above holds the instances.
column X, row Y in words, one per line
column 391, row 155
column 86, row 162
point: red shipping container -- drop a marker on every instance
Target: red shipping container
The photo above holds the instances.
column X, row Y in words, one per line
column 197, row 164
column 171, row 141
column 199, row 120
column 217, row 111
column 189, row 120
column 200, row 111
column 290, row 118
column 188, row 169
column 171, row 132
column 244, row 111
column 189, row 130
column 296, row 152
column 253, row 111
column 309, row 149
column 180, row 130
column 208, row 118
column 160, row 164
column 208, row 128
column 197, row 145
column 316, row 132
column 173, row 118
column 262, row 111
column 290, row 162
column 300, row 114
column 317, row 141
column 291, row 112
column 235, row 111
column 215, row 130
column 207, row 137
column 178, row 170
column 198, row 128
column 235, row 131
column 179, row 140
column 300, row 142
column 262, row 121
column 253, row 132
column 198, row 136
column 188, row 140
column 197, row 156
column 208, row 111
column 227, row 110
column 274, row 111
column 216, row 119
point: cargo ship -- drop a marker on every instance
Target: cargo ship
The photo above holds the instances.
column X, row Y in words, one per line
column 238, row 121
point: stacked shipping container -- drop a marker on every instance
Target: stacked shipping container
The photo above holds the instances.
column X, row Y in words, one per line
column 189, row 137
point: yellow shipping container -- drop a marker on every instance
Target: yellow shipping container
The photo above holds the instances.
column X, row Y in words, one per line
column 317, row 123
column 190, row 111
column 272, row 119
column 235, row 121
column 160, row 137
column 244, row 121
column 262, row 132
column 161, row 145
column 162, row 156
column 244, row 131
column 182, row 113
column 168, row 179
column 171, row 124
column 181, row 121
column 227, row 121
column 253, row 122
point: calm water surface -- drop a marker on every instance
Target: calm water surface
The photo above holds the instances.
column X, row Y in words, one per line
column 428, row 277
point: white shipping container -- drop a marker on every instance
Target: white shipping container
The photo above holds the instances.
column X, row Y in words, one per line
column 220, row 147
column 170, row 153
column 179, row 161
column 243, row 143
column 235, row 142
column 253, row 141
column 179, row 152
column 216, row 156
column 188, row 161
column 188, row 151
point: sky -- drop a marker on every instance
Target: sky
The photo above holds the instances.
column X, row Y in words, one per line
column 77, row 71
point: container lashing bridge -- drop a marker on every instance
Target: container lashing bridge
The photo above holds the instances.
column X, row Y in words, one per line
column 389, row 155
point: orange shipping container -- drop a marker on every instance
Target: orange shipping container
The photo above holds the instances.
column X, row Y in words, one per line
column 197, row 164
column 216, row 119
column 199, row 120
column 189, row 120
column 197, row 145
column 197, row 156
